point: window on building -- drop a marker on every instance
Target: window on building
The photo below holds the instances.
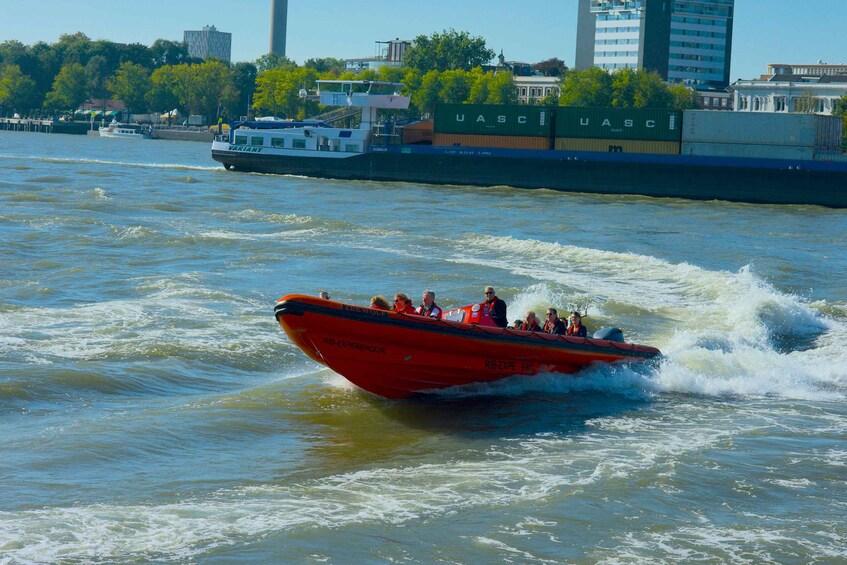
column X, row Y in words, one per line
column 819, row 106
column 779, row 104
column 756, row 104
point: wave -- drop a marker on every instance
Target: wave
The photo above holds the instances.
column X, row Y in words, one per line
column 86, row 161
column 722, row 333
column 514, row 473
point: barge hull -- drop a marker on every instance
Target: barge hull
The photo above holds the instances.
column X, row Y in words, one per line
column 759, row 181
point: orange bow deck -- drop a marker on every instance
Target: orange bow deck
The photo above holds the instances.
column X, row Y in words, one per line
column 394, row 355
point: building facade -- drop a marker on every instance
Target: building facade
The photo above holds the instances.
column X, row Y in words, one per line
column 687, row 41
column 209, row 43
column 790, row 93
column 534, row 89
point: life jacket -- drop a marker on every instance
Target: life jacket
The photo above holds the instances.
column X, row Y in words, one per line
column 527, row 328
column 406, row 308
column 485, row 309
column 575, row 330
column 432, row 312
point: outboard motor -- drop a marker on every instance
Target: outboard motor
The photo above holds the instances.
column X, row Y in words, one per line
column 609, row 334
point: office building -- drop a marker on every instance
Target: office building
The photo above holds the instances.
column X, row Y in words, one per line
column 209, row 43
column 687, row 41
column 279, row 26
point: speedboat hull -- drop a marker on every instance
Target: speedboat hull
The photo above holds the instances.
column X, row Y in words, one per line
column 395, row 355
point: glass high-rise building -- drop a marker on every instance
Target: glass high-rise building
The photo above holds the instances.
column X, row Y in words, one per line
column 209, row 42
column 688, row 41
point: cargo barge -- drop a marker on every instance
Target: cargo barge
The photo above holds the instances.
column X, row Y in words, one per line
column 360, row 154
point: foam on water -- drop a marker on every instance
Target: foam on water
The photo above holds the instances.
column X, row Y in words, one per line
column 721, row 332
column 88, row 161
column 521, row 471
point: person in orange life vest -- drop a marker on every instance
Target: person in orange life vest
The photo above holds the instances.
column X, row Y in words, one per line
column 494, row 308
column 403, row 305
column 428, row 306
column 554, row 325
column 531, row 324
column 576, row 328
column 379, row 302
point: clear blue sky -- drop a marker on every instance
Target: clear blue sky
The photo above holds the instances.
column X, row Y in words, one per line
column 766, row 31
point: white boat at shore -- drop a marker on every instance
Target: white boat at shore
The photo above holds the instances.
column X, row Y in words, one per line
column 124, row 131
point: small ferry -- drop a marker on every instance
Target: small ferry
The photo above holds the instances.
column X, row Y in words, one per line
column 123, row 131
column 395, row 355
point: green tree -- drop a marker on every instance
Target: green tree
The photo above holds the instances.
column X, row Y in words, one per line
column 553, row 67
column 69, row 89
column 502, row 89
column 277, row 92
column 480, row 86
column 427, row 95
column 455, row 87
column 591, row 88
column 639, row 89
column 273, row 61
column 683, row 98
column 96, row 75
column 203, row 89
column 326, row 65
column 806, row 104
column 131, row 84
column 17, row 91
column 162, row 96
column 244, row 82
column 167, row 52
column 447, row 51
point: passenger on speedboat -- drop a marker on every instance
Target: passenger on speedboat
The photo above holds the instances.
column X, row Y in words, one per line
column 428, row 306
column 576, row 328
column 554, row 325
column 530, row 323
column 379, row 302
column 494, row 308
column 324, row 294
column 403, row 304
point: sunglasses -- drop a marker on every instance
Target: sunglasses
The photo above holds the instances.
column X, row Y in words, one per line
column 489, row 293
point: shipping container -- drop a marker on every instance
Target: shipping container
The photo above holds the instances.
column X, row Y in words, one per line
column 494, row 119
column 748, row 150
column 619, row 123
column 759, row 128
column 419, row 133
column 618, row 145
column 502, row 141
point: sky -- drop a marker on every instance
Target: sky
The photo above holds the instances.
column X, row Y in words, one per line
column 766, row 31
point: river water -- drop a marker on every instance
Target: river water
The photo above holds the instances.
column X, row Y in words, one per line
column 151, row 409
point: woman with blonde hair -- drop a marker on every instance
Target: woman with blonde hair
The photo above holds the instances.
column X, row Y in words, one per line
column 379, row 302
column 403, row 304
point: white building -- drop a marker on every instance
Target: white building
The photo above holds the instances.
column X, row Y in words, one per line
column 533, row 89
column 687, row 41
column 209, row 42
column 782, row 93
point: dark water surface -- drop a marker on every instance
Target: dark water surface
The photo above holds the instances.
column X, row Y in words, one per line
column 151, row 410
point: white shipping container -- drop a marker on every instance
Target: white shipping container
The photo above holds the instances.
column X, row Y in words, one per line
column 748, row 151
column 759, row 128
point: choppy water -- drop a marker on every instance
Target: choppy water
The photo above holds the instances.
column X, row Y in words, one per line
column 152, row 411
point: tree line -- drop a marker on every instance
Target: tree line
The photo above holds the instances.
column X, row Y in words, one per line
column 445, row 67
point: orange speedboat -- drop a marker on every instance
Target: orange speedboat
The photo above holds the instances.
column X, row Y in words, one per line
column 394, row 355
